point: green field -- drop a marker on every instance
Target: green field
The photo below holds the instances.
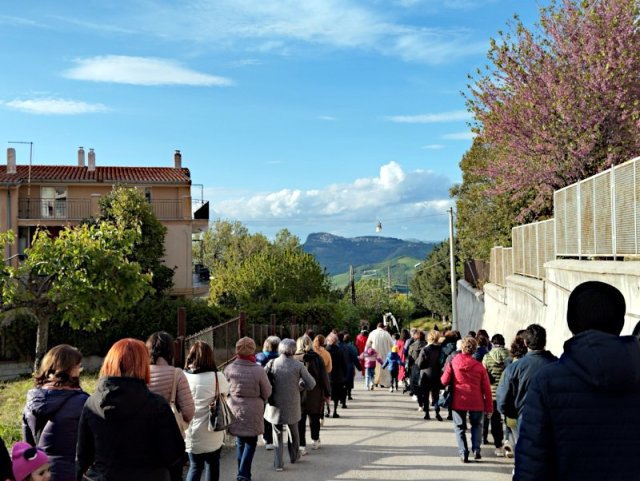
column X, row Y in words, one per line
column 13, row 395
column 400, row 269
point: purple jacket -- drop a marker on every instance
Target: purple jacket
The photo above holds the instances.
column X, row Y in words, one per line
column 249, row 390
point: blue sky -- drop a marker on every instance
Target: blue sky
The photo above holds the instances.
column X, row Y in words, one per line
column 314, row 115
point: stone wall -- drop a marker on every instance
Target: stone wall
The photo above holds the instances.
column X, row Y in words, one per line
column 13, row 370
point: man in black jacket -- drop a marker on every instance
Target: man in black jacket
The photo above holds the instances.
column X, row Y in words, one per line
column 581, row 417
column 513, row 388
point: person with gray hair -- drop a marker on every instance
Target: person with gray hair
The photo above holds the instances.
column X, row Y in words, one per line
column 288, row 378
column 269, row 351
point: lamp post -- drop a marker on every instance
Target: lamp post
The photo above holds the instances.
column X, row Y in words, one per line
column 452, row 266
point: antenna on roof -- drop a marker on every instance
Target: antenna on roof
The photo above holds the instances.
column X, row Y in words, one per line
column 30, row 158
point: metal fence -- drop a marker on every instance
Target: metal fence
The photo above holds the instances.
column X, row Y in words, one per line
column 533, row 245
column 599, row 216
column 223, row 337
column 501, row 265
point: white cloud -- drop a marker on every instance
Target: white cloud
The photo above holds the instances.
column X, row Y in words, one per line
column 441, row 117
column 141, row 71
column 459, row 136
column 328, row 118
column 278, row 26
column 433, row 146
column 392, row 195
column 52, row 106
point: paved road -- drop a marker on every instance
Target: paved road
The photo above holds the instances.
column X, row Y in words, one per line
column 381, row 436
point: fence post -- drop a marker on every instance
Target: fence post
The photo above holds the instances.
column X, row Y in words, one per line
column 242, row 325
column 272, row 326
column 178, row 347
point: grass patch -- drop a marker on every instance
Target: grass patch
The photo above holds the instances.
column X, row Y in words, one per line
column 13, row 395
column 428, row 323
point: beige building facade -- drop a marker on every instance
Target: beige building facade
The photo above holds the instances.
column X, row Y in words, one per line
column 56, row 196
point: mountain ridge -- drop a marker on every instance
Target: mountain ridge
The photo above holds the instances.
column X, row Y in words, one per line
column 336, row 253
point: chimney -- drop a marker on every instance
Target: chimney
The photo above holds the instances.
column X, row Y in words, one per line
column 80, row 157
column 11, row 160
column 177, row 159
column 92, row 161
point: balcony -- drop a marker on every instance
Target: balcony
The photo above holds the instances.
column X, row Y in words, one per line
column 45, row 209
column 79, row 209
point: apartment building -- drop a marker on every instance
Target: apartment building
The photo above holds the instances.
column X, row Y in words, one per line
column 55, row 196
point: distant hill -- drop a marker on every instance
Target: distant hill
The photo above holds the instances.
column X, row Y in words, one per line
column 337, row 253
column 397, row 271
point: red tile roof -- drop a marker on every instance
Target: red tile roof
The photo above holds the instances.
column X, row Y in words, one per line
column 107, row 175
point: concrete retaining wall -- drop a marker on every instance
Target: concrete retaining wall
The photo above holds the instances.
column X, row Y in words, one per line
column 13, row 370
column 525, row 300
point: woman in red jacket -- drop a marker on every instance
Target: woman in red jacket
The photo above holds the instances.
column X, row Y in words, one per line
column 471, row 394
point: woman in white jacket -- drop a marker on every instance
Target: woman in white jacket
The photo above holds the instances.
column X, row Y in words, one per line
column 203, row 446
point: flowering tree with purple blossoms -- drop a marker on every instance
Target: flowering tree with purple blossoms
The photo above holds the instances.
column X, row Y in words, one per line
column 560, row 103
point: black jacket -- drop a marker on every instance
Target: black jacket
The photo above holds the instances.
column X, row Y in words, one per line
column 512, row 390
column 581, row 418
column 338, row 374
column 313, row 402
column 429, row 364
column 127, row 433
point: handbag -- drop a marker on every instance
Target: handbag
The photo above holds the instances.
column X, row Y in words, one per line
column 446, row 395
column 220, row 414
column 182, row 424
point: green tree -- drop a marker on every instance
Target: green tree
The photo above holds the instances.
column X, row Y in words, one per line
column 83, row 277
column 247, row 269
column 128, row 208
column 431, row 286
column 561, row 102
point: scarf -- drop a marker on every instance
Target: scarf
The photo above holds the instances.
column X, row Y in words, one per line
column 251, row 357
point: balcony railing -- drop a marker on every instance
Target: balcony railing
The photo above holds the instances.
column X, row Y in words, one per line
column 42, row 209
column 78, row 209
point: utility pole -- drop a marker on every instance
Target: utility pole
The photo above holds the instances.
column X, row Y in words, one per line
column 452, row 265
column 389, row 277
column 352, row 285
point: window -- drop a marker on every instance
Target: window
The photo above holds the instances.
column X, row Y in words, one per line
column 54, row 202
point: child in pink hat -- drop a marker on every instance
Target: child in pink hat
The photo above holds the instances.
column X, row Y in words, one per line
column 29, row 463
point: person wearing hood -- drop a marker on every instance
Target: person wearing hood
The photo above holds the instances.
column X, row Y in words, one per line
column 495, row 362
column 312, row 403
column 52, row 411
column 127, row 432
column 471, row 397
column 564, row 435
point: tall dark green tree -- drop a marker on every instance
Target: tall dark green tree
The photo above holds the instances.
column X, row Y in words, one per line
column 431, row 286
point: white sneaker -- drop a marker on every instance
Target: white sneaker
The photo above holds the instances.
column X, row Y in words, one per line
column 269, row 447
column 279, row 469
column 390, row 389
column 414, row 397
column 315, row 444
column 500, row 452
column 303, row 451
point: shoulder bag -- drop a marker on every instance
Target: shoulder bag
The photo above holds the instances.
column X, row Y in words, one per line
column 220, row 414
column 446, row 395
column 182, row 424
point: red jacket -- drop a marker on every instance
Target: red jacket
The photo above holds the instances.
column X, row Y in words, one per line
column 471, row 387
column 361, row 342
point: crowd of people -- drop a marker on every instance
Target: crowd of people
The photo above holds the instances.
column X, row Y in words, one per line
column 147, row 419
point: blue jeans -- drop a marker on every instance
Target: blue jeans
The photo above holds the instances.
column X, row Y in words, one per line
column 209, row 463
column 371, row 371
column 245, row 449
column 460, row 427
